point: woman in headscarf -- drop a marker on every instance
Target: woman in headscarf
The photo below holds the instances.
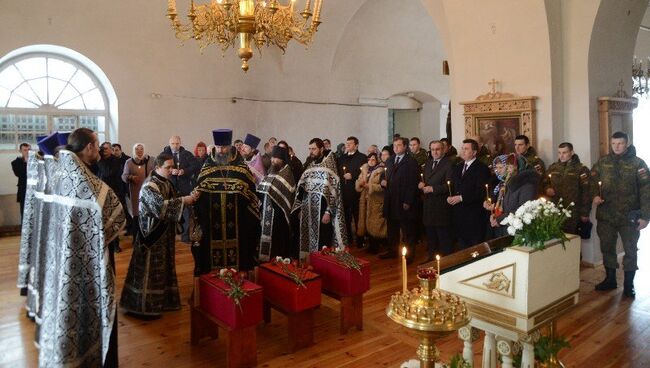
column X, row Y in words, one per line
column 136, row 169
column 517, row 186
column 371, row 221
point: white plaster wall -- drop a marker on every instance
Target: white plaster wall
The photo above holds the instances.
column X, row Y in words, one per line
column 507, row 40
column 642, row 47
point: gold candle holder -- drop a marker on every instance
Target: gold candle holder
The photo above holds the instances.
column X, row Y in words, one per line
column 430, row 312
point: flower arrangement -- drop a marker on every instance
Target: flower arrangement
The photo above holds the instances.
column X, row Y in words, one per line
column 428, row 273
column 343, row 257
column 536, row 222
column 292, row 269
column 231, row 277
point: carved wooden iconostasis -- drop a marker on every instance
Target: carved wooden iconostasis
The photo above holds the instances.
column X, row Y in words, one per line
column 614, row 115
column 496, row 118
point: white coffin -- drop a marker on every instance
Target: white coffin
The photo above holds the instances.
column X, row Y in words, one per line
column 519, row 289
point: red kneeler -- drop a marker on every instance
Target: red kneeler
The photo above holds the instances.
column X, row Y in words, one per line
column 212, row 309
column 296, row 302
column 344, row 284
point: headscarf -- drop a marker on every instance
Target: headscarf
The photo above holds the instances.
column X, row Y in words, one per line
column 196, row 149
column 143, row 150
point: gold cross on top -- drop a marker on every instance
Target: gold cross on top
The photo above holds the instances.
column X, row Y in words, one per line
column 494, row 83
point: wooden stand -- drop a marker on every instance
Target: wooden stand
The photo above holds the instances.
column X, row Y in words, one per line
column 241, row 344
column 300, row 325
column 351, row 311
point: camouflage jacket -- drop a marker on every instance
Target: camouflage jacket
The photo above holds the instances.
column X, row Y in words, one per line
column 420, row 157
column 535, row 162
column 485, row 157
column 625, row 186
column 570, row 181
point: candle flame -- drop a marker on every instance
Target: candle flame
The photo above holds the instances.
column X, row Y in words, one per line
column 437, row 257
column 403, row 251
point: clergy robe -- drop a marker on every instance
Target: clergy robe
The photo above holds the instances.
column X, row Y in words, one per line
column 29, row 228
column 228, row 215
column 78, row 303
column 257, row 167
column 151, row 286
column 318, row 191
column 277, row 191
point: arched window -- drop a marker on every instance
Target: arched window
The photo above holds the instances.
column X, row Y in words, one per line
column 41, row 93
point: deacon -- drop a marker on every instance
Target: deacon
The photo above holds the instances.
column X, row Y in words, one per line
column 186, row 166
column 79, row 326
column 621, row 188
column 568, row 180
column 151, row 286
column 523, row 148
column 277, row 190
column 318, row 203
column 253, row 157
column 228, row 210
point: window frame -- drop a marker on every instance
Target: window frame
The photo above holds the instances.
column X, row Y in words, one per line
column 49, row 110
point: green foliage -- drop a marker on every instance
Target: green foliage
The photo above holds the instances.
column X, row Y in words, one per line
column 547, row 346
column 457, row 361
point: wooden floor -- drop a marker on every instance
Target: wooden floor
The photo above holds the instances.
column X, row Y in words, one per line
column 604, row 330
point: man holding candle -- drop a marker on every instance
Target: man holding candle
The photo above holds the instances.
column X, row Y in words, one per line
column 568, row 180
column 436, row 216
column 623, row 208
column 400, row 199
column 468, row 181
column 349, row 166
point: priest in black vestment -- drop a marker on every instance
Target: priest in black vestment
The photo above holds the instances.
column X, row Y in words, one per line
column 228, row 210
column 277, row 191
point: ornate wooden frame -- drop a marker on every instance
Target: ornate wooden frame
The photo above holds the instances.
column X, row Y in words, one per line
column 608, row 108
column 498, row 105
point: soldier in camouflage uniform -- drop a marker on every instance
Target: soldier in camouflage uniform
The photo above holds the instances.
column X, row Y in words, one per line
column 417, row 152
column 523, row 148
column 450, row 151
column 623, row 200
column 568, row 179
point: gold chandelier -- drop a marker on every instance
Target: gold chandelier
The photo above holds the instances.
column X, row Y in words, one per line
column 253, row 21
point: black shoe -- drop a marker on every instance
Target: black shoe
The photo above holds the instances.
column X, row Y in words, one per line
column 628, row 284
column 610, row 280
column 388, row 255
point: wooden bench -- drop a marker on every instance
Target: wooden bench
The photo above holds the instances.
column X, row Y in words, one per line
column 300, row 325
column 241, row 344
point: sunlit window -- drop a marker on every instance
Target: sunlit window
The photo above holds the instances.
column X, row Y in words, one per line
column 40, row 94
column 641, row 116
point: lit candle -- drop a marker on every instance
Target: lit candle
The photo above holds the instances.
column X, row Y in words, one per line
column 404, row 270
column 487, row 193
column 449, row 186
column 422, row 177
column 600, row 189
column 438, row 278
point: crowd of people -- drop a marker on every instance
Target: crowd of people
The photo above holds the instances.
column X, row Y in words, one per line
column 238, row 206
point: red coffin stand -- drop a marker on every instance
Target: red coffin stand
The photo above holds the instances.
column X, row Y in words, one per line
column 281, row 291
column 216, row 303
column 339, row 279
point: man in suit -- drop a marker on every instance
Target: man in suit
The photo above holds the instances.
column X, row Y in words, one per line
column 468, row 181
column 349, row 166
column 400, row 199
column 19, row 166
column 436, row 216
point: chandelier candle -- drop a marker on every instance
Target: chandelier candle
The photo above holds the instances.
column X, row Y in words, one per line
column 404, row 270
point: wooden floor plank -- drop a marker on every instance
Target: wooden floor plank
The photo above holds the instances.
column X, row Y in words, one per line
column 605, row 329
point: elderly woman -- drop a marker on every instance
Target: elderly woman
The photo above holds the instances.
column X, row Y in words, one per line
column 136, row 169
column 518, row 185
column 371, row 221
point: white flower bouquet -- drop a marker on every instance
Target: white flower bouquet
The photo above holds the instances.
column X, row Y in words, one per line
column 536, row 222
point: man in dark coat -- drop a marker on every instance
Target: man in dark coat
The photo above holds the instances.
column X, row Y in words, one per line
column 468, row 181
column 437, row 212
column 400, row 199
column 349, row 166
column 19, row 166
column 109, row 170
column 186, row 166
